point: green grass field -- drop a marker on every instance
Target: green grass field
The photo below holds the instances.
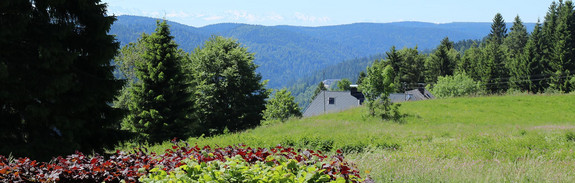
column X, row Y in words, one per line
column 529, row 138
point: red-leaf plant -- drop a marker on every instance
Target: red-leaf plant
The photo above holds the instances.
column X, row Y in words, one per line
column 130, row 166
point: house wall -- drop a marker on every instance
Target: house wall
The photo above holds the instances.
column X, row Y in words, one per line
column 343, row 101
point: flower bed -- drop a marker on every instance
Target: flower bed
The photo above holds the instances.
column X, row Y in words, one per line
column 183, row 162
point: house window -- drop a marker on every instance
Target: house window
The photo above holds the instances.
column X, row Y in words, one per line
column 331, row 100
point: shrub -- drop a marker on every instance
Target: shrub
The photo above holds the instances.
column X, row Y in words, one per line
column 455, row 86
column 216, row 162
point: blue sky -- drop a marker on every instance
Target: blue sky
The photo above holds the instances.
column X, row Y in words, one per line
column 326, row 12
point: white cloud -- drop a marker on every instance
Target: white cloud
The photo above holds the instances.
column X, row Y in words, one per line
column 180, row 14
column 213, row 18
column 311, row 19
column 243, row 15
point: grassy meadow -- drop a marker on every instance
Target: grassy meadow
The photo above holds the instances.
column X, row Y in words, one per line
column 526, row 138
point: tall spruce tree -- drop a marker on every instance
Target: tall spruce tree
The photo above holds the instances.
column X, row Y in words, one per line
column 533, row 77
column 442, row 62
column 469, row 63
column 563, row 59
column 160, row 101
column 229, row 93
column 515, row 43
column 413, row 67
column 396, row 62
column 516, row 39
column 56, row 80
column 494, row 73
column 498, row 30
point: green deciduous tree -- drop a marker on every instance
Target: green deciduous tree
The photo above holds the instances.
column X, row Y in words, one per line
column 160, row 102
column 376, row 87
column 343, row 84
column 455, row 86
column 281, row 107
column 228, row 93
column 125, row 63
column 56, row 79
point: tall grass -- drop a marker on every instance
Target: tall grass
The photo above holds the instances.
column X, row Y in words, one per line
column 526, row 138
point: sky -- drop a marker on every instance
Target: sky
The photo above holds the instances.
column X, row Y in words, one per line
column 328, row 12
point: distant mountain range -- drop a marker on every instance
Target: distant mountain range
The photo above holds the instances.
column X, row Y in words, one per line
column 286, row 54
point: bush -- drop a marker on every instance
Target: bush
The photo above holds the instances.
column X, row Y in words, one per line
column 455, row 86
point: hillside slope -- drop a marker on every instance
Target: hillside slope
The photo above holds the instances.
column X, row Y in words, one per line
column 482, row 139
column 286, row 53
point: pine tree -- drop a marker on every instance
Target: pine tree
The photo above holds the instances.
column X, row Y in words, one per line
column 396, row 62
column 229, row 94
column 515, row 42
column 517, row 38
column 413, row 66
column 563, row 50
column 492, row 65
column 160, row 100
column 56, row 80
column 469, row 63
column 498, row 30
column 442, row 62
column 494, row 73
column 533, row 78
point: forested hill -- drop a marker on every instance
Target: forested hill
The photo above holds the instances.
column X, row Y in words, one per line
column 287, row 53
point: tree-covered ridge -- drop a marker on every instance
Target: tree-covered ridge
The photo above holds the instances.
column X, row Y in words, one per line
column 287, row 53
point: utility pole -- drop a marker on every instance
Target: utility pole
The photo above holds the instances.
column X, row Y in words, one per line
column 324, row 92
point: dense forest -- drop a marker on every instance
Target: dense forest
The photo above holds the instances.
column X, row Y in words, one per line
column 288, row 53
column 506, row 60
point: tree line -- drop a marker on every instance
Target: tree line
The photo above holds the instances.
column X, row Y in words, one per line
column 543, row 61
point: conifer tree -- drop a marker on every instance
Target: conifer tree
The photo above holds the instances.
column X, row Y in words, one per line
column 563, row 59
column 469, row 63
column 413, row 66
column 442, row 62
column 536, row 69
column 160, row 101
column 516, row 39
column 494, row 73
column 56, row 80
column 396, row 62
column 515, row 42
column 498, row 30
